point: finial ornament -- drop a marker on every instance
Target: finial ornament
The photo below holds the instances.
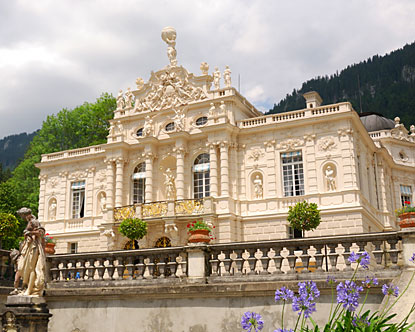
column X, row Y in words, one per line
column 168, row 34
column 204, row 67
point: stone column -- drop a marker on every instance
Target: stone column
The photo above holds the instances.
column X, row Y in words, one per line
column 224, row 168
column 180, row 152
column 110, row 189
column 119, row 173
column 149, row 177
column 213, row 160
column 64, row 204
column 43, row 207
column 89, row 197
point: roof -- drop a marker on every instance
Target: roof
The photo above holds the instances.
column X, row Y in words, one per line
column 375, row 122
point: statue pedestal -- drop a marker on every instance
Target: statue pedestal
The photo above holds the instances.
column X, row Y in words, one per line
column 25, row 314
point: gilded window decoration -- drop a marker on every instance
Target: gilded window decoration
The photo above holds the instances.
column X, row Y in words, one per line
column 155, row 209
column 189, row 206
column 124, row 212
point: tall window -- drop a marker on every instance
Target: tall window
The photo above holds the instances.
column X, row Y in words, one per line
column 78, row 199
column 406, row 195
column 139, row 183
column 201, row 176
column 293, row 175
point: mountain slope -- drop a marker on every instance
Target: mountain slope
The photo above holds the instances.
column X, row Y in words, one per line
column 387, row 86
column 13, row 148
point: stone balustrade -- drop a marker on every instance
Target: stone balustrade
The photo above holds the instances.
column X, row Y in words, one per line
column 90, row 150
column 147, row 264
column 294, row 115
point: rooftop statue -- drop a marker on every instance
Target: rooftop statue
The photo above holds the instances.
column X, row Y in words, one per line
column 168, row 34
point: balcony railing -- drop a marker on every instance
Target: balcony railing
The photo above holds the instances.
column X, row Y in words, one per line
column 237, row 262
column 164, row 208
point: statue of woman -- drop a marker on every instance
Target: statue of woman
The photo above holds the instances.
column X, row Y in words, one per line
column 170, row 185
column 31, row 265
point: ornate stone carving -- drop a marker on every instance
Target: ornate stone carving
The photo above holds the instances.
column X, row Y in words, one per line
column 330, row 176
column 326, row 144
column 170, row 185
column 120, row 100
column 53, row 182
column 258, row 190
column 179, row 119
column 168, row 88
column 212, row 111
column 124, row 212
column 156, row 209
column 52, row 209
column 256, row 154
column 102, row 202
column 78, row 175
column 140, row 83
column 204, row 67
column 291, row 144
column 189, row 206
column 269, row 144
column 168, row 34
column 227, row 77
column 309, row 137
column 128, row 98
column 216, row 78
column 345, row 131
column 148, row 126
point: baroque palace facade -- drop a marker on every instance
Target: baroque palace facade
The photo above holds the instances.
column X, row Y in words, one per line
column 181, row 148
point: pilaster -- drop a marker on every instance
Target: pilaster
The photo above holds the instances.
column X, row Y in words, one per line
column 119, row 174
column 149, row 158
column 42, row 198
column 180, row 154
column 224, row 168
column 110, row 189
column 213, row 160
column 89, row 199
column 63, row 201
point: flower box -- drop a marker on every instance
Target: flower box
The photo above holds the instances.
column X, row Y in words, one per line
column 407, row 220
column 199, row 236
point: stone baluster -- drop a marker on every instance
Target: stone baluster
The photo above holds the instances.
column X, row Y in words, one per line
column 378, row 253
column 361, row 245
column 161, row 266
column 111, row 268
column 265, row 261
column 119, row 174
column 149, row 177
column 130, row 267
column 91, row 268
column 291, row 259
column 346, row 255
column 214, row 264
column 277, row 260
column 81, row 269
column 180, row 152
column 120, row 267
column 213, row 160
column 226, row 263
column 139, row 267
column 393, row 253
column 319, row 257
column 183, row 265
column 100, row 268
column 305, row 259
column 251, row 260
column 55, row 270
column 63, row 270
column 172, row 265
column 224, row 168
column 72, row 269
column 149, row 267
column 333, row 256
column 238, row 262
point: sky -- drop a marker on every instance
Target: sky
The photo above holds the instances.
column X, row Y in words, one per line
column 59, row 54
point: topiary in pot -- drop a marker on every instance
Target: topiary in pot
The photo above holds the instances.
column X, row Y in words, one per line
column 133, row 228
column 304, row 216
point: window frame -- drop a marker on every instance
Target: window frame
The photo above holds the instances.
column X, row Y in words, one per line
column 295, row 170
column 406, row 195
column 78, row 199
column 139, row 184
column 201, row 177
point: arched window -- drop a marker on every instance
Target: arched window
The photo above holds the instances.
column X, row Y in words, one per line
column 169, row 126
column 201, row 121
column 140, row 132
column 139, row 183
column 201, row 176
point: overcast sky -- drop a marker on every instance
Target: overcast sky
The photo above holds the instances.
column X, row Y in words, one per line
column 59, row 54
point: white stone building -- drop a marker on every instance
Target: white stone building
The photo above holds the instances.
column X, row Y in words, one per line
column 180, row 149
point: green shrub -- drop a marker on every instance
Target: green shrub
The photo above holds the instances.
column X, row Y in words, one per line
column 133, row 228
column 304, row 216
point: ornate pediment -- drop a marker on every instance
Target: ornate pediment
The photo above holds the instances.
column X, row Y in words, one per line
column 171, row 87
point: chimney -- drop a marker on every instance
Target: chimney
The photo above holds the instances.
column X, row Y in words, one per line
column 312, row 99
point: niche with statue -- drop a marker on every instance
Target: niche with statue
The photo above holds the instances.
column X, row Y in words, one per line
column 257, row 185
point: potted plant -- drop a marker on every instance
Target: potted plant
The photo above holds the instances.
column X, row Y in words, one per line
column 406, row 215
column 50, row 244
column 8, row 226
column 199, row 232
column 304, row 216
column 133, row 228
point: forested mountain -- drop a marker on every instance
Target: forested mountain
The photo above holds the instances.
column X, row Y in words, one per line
column 387, row 86
column 12, row 149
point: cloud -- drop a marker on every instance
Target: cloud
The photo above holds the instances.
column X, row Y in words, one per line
column 60, row 54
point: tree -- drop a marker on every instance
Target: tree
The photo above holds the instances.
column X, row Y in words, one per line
column 9, row 226
column 304, row 216
column 133, row 228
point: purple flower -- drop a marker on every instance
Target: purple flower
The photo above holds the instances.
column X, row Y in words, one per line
column 284, row 330
column 304, row 304
column 390, row 290
column 250, row 320
column 284, row 294
column 412, row 259
column 360, row 322
column 348, row 294
column 369, row 282
column 308, row 289
column 331, row 280
column 362, row 259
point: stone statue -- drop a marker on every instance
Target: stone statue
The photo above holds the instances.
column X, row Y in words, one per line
column 169, row 182
column 31, row 264
column 222, row 107
column 103, row 202
column 168, row 34
column 216, row 78
column 258, row 190
column 212, row 111
column 227, row 77
column 111, row 130
column 120, row 101
column 178, row 120
column 204, row 67
column 140, row 83
column 331, row 184
column 128, row 98
column 148, row 126
column 52, row 210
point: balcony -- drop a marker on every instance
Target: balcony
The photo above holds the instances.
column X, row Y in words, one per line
column 177, row 208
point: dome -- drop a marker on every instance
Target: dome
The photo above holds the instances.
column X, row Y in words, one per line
column 374, row 122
